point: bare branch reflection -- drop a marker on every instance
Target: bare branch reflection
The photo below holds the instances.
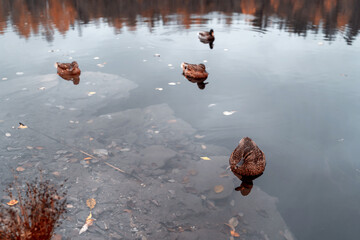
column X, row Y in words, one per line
column 42, row 17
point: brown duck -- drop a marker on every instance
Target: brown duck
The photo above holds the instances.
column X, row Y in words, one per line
column 68, row 69
column 247, row 160
column 194, row 71
column 206, row 37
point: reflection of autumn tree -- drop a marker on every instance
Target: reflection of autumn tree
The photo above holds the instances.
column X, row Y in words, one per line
column 297, row 16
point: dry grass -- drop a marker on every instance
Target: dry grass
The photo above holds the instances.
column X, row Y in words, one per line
column 38, row 212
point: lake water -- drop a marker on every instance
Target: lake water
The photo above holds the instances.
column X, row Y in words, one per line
column 288, row 71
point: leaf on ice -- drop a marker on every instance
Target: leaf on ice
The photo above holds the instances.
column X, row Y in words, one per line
column 89, row 221
column 12, row 202
column 87, row 158
column 91, row 202
column 20, row 169
column 234, row 234
column 22, row 126
column 205, row 158
column 219, row 188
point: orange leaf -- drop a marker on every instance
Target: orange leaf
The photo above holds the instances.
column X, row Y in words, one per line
column 91, row 202
column 12, row 202
column 218, row 188
column 20, row 169
column 87, row 158
column 234, row 234
column 22, row 126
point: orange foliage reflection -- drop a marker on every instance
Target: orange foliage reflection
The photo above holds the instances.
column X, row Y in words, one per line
column 297, row 16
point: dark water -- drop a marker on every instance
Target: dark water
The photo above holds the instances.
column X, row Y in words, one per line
column 290, row 70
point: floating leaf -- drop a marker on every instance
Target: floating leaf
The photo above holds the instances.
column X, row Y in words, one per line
column 203, row 146
column 211, row 105
column 159, row 89
column 219, row 188
column 227, row 113
column 39, row 148
column 96, row 58
column 91, row 93
column 127, row 210
column 91, row 202
column 172, row 121
column 205, row 158
column 20, row 169
column 87, row 158
column 199, row 136
column 19, row 73
column 172, row 83
column 8, row 134
column 12, row 202
column 100, row 65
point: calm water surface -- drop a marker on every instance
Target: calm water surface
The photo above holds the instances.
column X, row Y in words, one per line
column 290, row 71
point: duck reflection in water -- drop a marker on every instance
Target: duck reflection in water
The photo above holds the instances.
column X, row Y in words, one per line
column 200, row 82
column 247, row 162
column 74, row 79
column 195, row 73
column 207, row 38
column 69, row 71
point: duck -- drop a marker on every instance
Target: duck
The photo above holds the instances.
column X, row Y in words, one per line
column 247, row 160
column 194, row 71
column 206, row 37
column 68, row 69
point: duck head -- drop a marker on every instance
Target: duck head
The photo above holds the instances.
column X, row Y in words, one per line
column 211, row 32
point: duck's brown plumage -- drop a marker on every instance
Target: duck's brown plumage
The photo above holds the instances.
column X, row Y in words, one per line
column 68, row 68
column 206, row 36
column 194, row 71
column 253, row 159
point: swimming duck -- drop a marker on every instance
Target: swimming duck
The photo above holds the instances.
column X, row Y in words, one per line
column 67, row 69
column 206, row 37
column 194, row 71
column 250, row 157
